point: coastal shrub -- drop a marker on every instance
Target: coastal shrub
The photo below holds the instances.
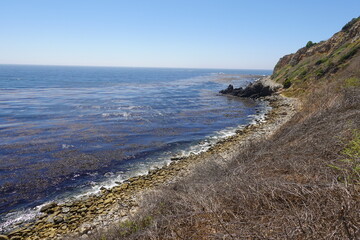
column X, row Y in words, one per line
column 129, row 227
column 320, row 72
column 310, row 44
column 303, row 74
column 350, row 166
column 340, row 50
column 287, row 83
column 321, row 61
column 349, row 54
column 352, row 82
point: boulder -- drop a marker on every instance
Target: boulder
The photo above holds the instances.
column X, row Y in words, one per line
column 259, row 88
column 16, row 238
column 58, row 219
column 228, row 90
column 3, row 237
column 48, row 207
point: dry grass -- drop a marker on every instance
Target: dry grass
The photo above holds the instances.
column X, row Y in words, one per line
column 281, row 188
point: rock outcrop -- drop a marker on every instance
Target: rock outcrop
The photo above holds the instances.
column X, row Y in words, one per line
column 260, row 88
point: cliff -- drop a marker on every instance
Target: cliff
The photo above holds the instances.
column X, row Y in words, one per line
column 317, row 61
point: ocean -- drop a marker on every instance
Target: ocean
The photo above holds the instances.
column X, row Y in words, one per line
column 68, row 131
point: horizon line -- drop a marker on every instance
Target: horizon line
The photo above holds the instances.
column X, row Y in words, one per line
column 101, row 66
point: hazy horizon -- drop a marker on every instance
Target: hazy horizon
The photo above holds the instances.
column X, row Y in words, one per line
column 57, row 65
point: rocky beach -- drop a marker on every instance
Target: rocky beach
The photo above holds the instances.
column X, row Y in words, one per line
column 77, row 219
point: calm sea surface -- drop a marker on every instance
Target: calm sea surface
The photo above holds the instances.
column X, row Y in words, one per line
column 67, row 131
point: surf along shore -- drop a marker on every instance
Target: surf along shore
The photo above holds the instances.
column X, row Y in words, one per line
column 81, row 217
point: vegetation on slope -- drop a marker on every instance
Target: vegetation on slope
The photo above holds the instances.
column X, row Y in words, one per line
column 303, row 183
column 315, row 63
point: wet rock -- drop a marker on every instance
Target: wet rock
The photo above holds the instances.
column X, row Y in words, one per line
column 69, row 204
column 48, row 208
column 56, row 212
column 228, row 90
column 50, row 219
column 3, row 237
column 16, row 238
column 73, row 220
column 51, row 233
column 259, row 88
column 107, row 201
column 58, row 219
column 65, row 210
column 82, row 210
column 17, row 232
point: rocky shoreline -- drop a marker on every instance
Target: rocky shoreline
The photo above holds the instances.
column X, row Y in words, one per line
column 78, row 218
column 260, row 88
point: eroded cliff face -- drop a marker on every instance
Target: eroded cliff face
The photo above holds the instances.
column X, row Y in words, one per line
column 319, row 60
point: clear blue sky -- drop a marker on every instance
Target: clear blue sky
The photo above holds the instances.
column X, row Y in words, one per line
column 245, row 34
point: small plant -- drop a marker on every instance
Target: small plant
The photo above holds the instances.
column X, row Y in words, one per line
column 303, row 74
column 287, row 83
column 321, row 61
column 350, row 166
column 349, row 54
column 320, row 72
column 128, row 227
column 310, row 44
column 352, row 82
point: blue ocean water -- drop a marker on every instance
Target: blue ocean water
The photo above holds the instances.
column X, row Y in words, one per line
column 67, row 131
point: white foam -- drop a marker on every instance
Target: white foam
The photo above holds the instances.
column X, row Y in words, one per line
column 211, row 140
column 18, row 217
column 125, row 115
column 66, row 146
column 113, row 179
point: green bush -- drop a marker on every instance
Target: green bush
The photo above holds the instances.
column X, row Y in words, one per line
column 321, row 61
column 320, row 72
column 310, row 44
column 303, row 74
column 287, row 83
column 352, row 82
column 349, row 54
column 350, row 166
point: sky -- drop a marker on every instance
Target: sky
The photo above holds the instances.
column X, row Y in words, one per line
column 230, row 34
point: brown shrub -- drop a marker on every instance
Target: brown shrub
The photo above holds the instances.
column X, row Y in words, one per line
column 281, row 188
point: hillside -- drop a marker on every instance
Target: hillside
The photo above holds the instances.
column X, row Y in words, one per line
column 301, row 183
column 310, row 65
